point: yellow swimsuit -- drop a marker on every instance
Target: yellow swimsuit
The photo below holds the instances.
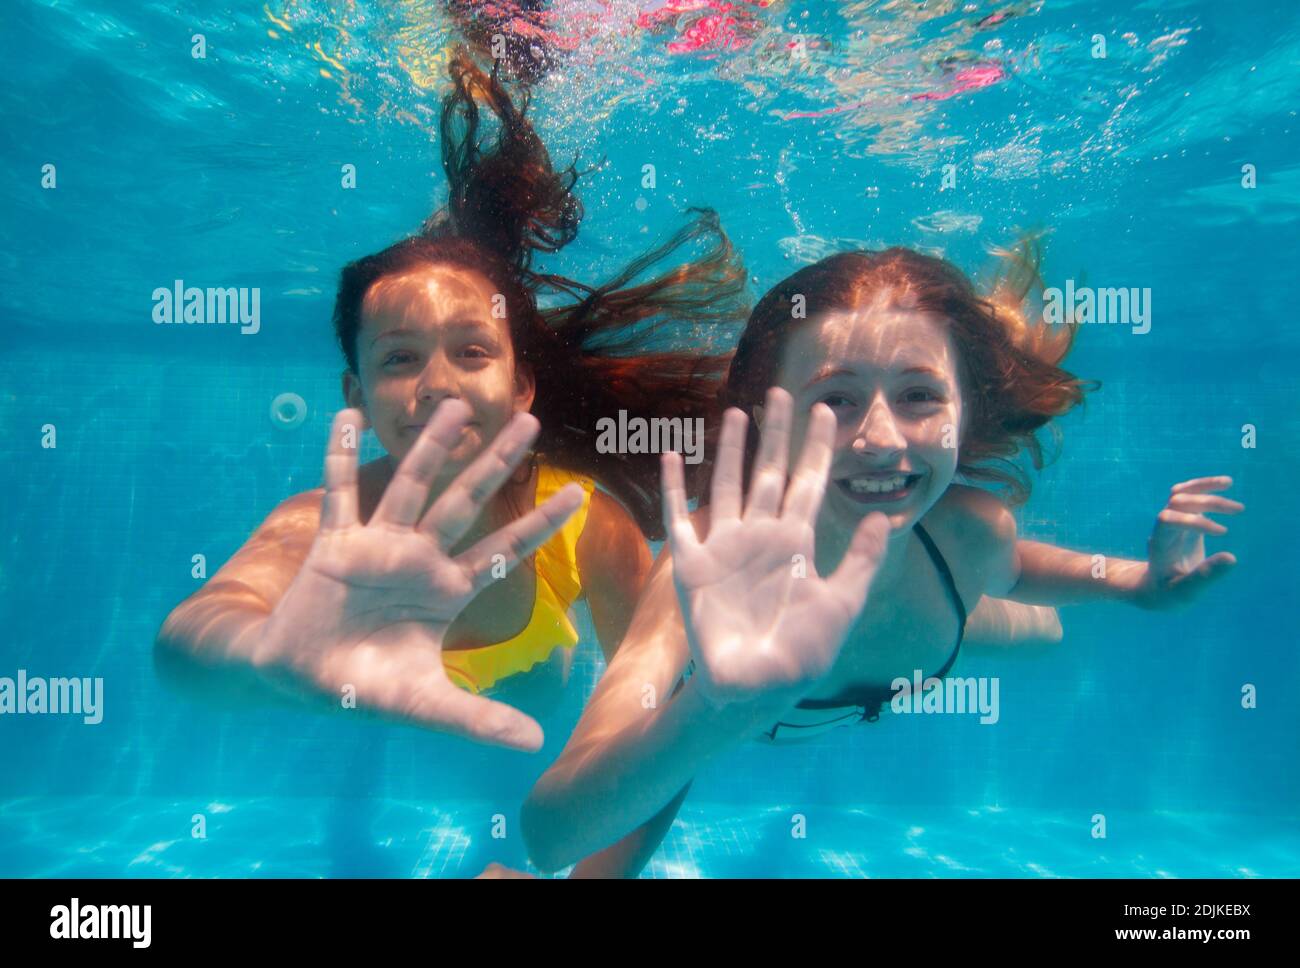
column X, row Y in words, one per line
column 558, row 586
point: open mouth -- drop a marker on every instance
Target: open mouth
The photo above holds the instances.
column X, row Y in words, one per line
column 877, row 488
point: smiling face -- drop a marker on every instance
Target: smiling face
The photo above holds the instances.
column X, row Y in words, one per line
column 889, row 372
column 428, row 334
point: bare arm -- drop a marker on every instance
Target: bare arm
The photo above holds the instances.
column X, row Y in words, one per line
column 1175, row 573
column 198, row 647
column 760, row 633
column 634, row 750
column 615, row 563
column 365, row 612
column 1056, row 576
column 997, row 624
column 629, row 856
column 986, row 532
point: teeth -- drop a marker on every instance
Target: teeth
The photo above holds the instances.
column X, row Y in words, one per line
column 877, row 485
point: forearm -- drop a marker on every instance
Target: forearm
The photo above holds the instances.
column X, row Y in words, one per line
column 202, row 649
column 601, row 789
column 628, row 857
column 1055, row 576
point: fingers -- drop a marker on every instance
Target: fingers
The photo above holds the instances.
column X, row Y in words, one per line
column 459, row 506
column 499, row 552
column 1217, row 565
column 1191, row 522
column 443, row 706
column 729, row 467
column 1189, row 502
column 398, row 672
column 339, row 507
column 1204, row 503
column 408, row 491
column 768, row 484
column 1200, row 485
column 808, row 483
column 677, row 514
column 852, row 579
column 1186, row 587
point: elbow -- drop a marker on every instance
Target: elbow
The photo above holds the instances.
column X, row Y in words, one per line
column 538, row 819
column 1053, row 633
column 175, row 659
column 170, row 655
column 169, row 644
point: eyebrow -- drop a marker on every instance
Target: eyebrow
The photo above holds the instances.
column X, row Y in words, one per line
column 830, row 373
column 407, row 331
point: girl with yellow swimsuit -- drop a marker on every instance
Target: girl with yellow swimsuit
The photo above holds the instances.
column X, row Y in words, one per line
column 395, row 582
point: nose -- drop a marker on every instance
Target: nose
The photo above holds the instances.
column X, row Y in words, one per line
column 437, row 382
column 877, row 434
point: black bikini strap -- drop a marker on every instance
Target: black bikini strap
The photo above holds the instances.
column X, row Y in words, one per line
column 871, row 701
column 941, row 566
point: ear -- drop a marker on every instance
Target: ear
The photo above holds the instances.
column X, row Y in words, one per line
column 525, row 387
column 354, row 397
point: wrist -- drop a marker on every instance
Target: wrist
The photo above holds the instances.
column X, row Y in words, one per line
column 1135, row 586
column 250, row 644
column 1124, row 580
column 729, row 716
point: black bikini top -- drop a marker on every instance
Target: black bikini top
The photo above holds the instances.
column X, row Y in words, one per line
column 864, row 704
column 872, row 698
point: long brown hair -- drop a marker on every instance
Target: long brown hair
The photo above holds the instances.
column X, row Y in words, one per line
column 1011, row 378
column 645, row 348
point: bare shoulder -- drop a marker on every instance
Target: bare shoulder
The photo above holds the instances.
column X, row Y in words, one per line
column 626, row 534
column 979, row 530
column 972, row 515
column 301, row 512
column 295, row 513
column 300, row 503
column 611, row 546
column 653, row 648
column 272, row 555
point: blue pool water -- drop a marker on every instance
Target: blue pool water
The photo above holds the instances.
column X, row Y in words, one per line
column 225, row 171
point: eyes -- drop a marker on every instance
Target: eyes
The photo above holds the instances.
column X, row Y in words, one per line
column 913, row 397
column 472, row 354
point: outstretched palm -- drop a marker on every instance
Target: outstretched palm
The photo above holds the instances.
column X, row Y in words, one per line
column 371, row 604
column 1178, row 569
column 762, row 625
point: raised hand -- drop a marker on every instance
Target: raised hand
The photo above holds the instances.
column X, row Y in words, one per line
column 1177, row 569
column 371, row 604
column 763, row 627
